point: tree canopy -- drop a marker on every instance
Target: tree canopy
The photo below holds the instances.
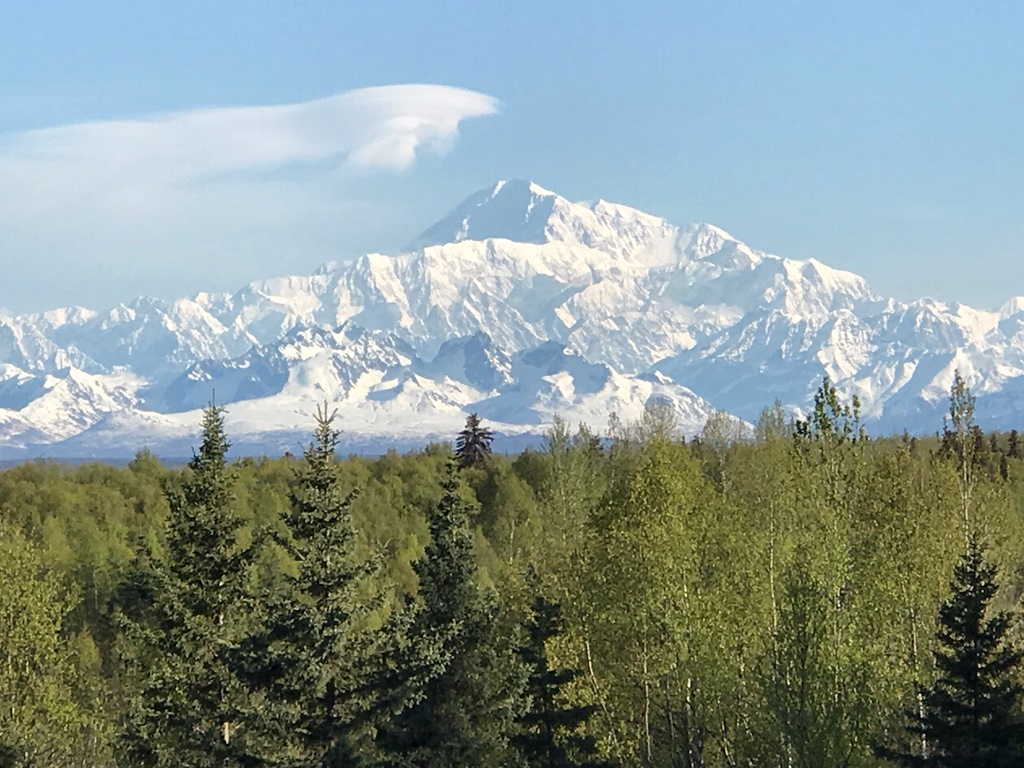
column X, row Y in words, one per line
column 473, row 445
column 628, row 598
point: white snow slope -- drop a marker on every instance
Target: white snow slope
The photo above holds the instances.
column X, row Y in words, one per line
column 519, row 305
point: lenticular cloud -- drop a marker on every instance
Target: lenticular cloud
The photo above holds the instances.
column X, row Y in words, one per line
column 224, row 192
column 382, row 127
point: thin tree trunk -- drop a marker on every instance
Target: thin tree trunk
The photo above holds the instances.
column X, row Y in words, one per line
column 920, row 696
column 647, row 707
column 512, row 540
column 771, row 566
column 695, row 747
column 726, row 754
column 593, row 680
column 670, row 716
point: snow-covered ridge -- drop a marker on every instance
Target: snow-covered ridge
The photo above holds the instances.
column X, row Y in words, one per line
column 519, row 304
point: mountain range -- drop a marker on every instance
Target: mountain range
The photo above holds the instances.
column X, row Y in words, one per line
column 519, row 305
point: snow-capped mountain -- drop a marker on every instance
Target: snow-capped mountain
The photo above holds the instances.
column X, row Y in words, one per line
column 518, row 305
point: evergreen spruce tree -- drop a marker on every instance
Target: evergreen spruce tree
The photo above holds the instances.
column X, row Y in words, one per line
column 549, row 731
column 309, row 660
column 473, row 446
column 191, row 702
column 971, row 713
column 466, row 709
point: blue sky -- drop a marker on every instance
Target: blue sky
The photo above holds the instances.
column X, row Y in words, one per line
column 884, row 138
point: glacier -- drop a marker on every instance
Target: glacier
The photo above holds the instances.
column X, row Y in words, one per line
column 520, row 305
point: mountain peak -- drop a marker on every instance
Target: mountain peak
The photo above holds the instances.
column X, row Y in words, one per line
column 509, row 210
column 519, row 304
column 517, row 187
column 1012, row 308
column 525, row 212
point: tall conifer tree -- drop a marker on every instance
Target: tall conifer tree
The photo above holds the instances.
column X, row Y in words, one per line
column 549, row 731
column 466, row 710
column 473, row 446
column 191, row 702
column 971, row 715
column 310, row 658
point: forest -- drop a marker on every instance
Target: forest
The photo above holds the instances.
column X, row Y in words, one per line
column 798, row 595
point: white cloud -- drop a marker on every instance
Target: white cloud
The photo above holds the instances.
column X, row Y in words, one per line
column 373, row 128
column 193, row 183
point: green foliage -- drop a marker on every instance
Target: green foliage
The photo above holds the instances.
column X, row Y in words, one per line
column 812, row 691
column 472, row 693
column 961, row 444
column 772, row 423
column 570, row 478
column 550, row 730
column 509, row 514
column 831, row 420
column 722, row 430
column 647, row 596
column 726, row 602
column 971, row 714
column 41, row 723
column 191, row 704
column 473, row 446
column 308, row 658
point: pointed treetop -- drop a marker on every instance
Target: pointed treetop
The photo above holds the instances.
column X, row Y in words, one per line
column 971, row 713
column 473, row 446
column 214, row 446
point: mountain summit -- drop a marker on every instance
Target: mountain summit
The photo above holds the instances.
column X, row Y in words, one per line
column 524, row 212
column 510, row 210
column 518, row 305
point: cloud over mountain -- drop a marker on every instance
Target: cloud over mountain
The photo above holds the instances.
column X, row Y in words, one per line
column 203, row 184
column 380, row 127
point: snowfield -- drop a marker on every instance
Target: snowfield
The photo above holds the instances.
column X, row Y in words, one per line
column 519, row 305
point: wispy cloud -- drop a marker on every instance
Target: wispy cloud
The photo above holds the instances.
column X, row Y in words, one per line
column 105, row 188
column 370, row 128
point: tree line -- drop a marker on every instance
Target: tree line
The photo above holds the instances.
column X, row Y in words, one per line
column 796, row 595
